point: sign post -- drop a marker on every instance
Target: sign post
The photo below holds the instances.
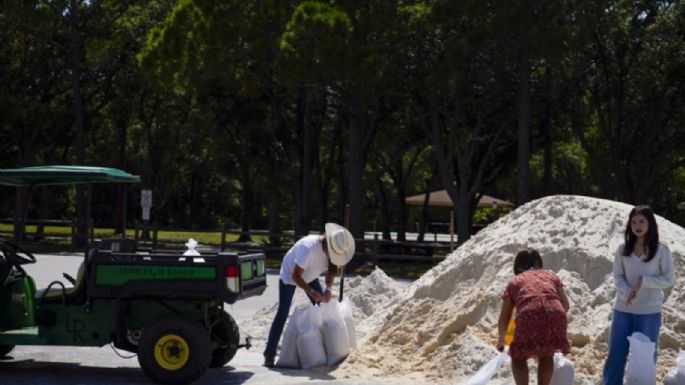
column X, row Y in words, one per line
column 146, row 204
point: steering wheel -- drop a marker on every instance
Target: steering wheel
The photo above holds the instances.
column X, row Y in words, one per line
column 15, row 255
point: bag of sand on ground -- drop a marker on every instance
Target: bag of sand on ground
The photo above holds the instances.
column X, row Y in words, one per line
column 334, row 333
column 309, row 339
column 640, row 369
column 289, row 357
column 563, row 371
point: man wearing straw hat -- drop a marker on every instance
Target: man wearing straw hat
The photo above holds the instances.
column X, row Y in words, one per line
column 302, row 265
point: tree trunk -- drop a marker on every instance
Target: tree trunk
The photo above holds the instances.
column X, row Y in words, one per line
column 81, row 236
column 385, row 211
column 522, row 192
column 303, row 215
column 120, row 210
column 356, row 178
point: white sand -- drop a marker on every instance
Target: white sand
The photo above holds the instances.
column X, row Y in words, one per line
column 443, row 328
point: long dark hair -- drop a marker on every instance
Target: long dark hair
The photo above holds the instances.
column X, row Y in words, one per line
column 526, row 260
column 652, row 237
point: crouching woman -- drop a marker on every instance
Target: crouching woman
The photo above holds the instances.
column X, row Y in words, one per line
column 541, row 305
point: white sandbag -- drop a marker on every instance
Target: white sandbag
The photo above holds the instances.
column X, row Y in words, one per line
column 676, row 376
column 309, row 339
column 334, row 333
column 641, row 368
column 487, row 371
column 310, row 349
column 309, row 319
column 289, row 358
column 563, row 371
column 345, row 310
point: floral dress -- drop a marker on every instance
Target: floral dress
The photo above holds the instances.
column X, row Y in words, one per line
column 540, row 318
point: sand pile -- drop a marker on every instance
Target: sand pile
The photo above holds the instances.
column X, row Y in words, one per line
column 367, row 295
column 443, row 327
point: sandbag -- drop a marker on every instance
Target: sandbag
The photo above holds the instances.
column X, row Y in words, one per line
column 289, row 357
column 563, row 371
column 487, row 371
column 311, row 350
column 334, row 333
column 641, row 368
column 676, row 376
column 309, row 339
column 345, row 310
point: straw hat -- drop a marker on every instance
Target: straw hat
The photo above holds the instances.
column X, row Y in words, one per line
column 340, row 244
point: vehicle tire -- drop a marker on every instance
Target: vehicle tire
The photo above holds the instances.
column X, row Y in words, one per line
column 5, row 349
column 174, row 350
column 226, row 334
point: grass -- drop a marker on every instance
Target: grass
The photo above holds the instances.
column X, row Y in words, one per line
column 163, row 236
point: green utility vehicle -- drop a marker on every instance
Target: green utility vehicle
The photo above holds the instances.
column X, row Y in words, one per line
column 167, row 308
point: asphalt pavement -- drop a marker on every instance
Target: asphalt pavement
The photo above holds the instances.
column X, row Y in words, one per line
column 58, row 365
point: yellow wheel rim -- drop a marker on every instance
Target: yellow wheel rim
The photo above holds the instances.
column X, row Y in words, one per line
column 171, row 352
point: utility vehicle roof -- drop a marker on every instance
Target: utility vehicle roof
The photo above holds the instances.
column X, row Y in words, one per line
column 56, row 175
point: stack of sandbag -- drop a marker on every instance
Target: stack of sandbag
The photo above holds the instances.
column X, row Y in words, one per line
column 318, row 335
column 676, row 376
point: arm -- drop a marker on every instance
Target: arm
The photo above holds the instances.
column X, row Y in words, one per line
column 563, row 298
column 667, row 277
column 297, row 278
column 503, row 323
column 330, row 276
column 622, row 286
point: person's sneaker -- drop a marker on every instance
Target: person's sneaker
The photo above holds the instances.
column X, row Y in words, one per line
column 268, row 362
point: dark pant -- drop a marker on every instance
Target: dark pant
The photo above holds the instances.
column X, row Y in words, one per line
column 624, row 325
column 285, row 298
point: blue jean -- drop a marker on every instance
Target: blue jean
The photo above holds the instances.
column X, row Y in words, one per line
column 622, row 326
column 285, row 299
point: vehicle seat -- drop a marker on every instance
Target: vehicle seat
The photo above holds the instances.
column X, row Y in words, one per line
column 55, row 292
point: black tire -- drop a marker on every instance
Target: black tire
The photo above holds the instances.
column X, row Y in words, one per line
column 226, row 334
column 5, row 349
column 162, row 350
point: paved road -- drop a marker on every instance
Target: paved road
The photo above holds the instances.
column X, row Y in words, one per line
column 54, row 365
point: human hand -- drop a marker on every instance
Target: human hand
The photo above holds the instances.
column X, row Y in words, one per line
column 633, row 293
column 500, row 345
column 327, row 295
column 315, row 296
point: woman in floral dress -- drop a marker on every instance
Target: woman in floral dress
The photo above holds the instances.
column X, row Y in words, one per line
column 541, row 306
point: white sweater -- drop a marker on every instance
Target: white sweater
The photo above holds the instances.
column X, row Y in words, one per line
column 656, row 274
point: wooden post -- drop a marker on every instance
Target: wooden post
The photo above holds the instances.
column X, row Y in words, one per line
column 223, row 237
column 154, row 239
column 342, row 268
column 451, row 230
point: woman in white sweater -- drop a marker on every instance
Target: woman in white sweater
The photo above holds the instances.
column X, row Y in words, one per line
column 643, row 268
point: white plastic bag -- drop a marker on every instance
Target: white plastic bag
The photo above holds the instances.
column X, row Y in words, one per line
column 563, row 371
column 191, row 245
column 487, row 371
column 345, row 310
column 641, row 368
column 289, row 357
column 334, row 333
column 309, row 339
column 676, row 376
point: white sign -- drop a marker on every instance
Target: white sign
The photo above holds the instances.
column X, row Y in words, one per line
column 146, row 198
column 146, row 213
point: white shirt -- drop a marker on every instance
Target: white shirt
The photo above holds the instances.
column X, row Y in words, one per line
column 657, row 275
column 308, row 254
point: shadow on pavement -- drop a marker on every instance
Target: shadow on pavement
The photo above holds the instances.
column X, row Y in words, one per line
column 28, row 372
